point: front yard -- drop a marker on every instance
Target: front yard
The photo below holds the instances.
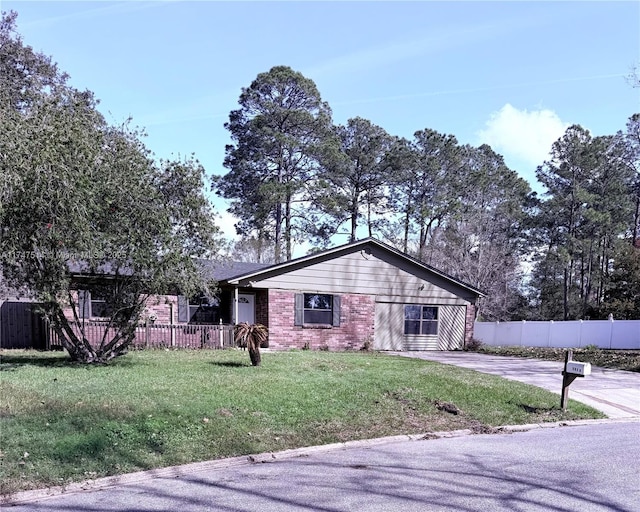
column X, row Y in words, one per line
column 61, row 422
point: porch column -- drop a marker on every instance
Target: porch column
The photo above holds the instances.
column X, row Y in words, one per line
column 235, row 305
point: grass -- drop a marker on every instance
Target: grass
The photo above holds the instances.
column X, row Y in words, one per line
column 628, row 360
column 61, row 422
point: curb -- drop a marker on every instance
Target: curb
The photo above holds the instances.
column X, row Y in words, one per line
column 245, row 460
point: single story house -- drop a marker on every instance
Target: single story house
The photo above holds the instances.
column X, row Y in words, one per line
column 365, row 292
column 362, row 294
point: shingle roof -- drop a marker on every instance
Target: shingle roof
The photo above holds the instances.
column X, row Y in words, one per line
column 232, row 272
column 213, row 269
column 223, row 271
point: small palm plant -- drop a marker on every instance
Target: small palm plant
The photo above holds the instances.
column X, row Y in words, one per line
column 251, row 337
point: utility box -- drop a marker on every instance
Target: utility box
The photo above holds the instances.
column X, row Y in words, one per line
column 578, row 368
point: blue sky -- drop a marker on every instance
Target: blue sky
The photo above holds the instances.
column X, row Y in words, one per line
column 508, row 73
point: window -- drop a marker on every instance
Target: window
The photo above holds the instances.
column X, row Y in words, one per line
column 317, row 309
column 421, row 320
column 93, row 304
column 99, row 306
column 198, row 310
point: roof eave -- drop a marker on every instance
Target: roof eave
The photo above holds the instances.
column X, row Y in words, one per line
column 235, row 281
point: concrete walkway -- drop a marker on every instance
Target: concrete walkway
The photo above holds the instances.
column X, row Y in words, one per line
column 614, row 392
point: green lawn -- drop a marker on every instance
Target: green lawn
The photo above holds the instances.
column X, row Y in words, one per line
column 61, row 422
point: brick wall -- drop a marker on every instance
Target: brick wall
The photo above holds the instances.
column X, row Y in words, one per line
column 357, row 314
column 469, row 322
column 159, row 305
column 262, row 307
column 162, row 306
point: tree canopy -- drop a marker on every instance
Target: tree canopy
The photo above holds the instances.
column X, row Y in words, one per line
column 294, row 177
column 79, row 193
column 281, row 135
column 76, row 190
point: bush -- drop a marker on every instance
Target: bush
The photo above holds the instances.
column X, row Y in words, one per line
column 367, row 345
column 472, row 345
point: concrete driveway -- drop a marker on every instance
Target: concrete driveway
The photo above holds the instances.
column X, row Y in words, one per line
column 614, row 392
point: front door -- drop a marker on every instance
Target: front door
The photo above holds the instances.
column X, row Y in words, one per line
column 246, row 308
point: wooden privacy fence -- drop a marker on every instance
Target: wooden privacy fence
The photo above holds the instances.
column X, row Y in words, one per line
column 158, row 335
column 21, row 326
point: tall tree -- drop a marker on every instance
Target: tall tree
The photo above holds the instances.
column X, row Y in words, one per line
column 587, row 205
column 628, row 146
column 355, row 187
column 76, row 192
column 427, row 183
column 281, row 134
column 484, row 243
column 622, row 297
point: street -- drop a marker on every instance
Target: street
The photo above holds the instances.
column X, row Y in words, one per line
column 593, row 467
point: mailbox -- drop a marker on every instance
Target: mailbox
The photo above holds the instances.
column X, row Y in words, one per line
column 578, row 368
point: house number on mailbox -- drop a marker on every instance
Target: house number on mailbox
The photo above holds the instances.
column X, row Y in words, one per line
column 572, row 370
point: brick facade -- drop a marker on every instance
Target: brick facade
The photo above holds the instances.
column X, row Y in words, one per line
column 262, row 307
column 357, row 314
column 276, row 309
column 160, row 306
column 470, row 319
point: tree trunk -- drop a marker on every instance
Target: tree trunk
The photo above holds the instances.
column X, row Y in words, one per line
column 287, row 228
column 254, row 353
column 565, row 294
column 354, row 225
column 407, row 222
column 636, row 224
column 278, row 234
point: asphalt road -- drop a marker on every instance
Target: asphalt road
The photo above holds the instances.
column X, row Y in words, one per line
column 592, row 467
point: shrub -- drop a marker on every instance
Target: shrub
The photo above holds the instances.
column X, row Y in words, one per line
column 473, row 344
column 367, row 345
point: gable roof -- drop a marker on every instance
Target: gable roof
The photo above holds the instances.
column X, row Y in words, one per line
column 237, row 273
column 367, row 245
column 230, row 269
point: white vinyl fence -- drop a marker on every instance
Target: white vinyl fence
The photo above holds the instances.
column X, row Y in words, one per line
column 618, row 334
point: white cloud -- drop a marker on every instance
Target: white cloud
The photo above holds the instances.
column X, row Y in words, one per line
column 523, row 136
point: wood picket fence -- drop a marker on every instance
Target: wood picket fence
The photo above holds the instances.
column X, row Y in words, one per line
column 157, row 335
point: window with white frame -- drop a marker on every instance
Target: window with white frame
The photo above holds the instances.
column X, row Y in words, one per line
column 420, row 320
column 99, row 306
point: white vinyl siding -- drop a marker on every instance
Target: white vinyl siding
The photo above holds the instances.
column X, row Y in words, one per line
column 389, row 326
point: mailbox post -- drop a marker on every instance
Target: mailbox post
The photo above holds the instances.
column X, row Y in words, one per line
column 572, row 370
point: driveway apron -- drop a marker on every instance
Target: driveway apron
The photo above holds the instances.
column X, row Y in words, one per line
column 613, row 392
